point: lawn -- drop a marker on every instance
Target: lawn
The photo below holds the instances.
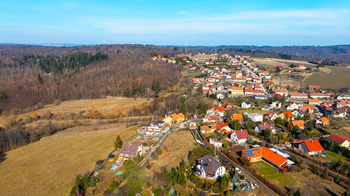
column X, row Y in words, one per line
column 49, row 166
column 338, row 78
column 309, row 183
column 331, row 156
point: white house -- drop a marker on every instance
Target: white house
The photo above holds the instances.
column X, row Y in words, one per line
column 215, row 142
column 256, row 117
column 240, row 136
column 209, row 168
column 246, row 104
column 292, row 106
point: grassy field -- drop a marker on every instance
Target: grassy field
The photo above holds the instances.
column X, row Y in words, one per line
column 309, row 183
column 175, row 148
column 103, row 105
column 49, row 166
column 337, row 78
column 280, row 62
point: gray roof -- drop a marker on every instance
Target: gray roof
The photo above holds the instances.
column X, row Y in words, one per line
column 209, row 164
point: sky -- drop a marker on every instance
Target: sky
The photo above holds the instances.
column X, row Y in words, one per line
column 180, row 22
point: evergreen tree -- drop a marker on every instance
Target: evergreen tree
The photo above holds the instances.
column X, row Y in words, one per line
column 325, row 173
column 118, row 142
column 40, row 79
column 298, row 193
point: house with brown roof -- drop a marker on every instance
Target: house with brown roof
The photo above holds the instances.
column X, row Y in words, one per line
column 240, row 136
column 211, row 119
column 309, row 147
column 271, row 116
column 130, row 150
column 342, row 140
column 209, row 168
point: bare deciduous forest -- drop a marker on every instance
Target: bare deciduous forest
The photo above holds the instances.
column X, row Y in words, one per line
column 32, row 76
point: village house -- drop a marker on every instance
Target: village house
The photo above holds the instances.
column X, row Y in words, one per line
column 343, row 97
column 300, row 67
column 246, row 104
column 256, row 117
column 237, row 117
column 157, row 125
column 288, row 115
column 299, row 123
column 280, row 92
column 299, row 96
column 130, row 150
column 340, row 104
column 271, row 116
column 215, row 142
column 341, row 140
column 292, row 106
column 263, row 153
column 208, row 128
column 298, row 113
column 320, row 95
column 309, row 147
column 262, row 127
column 235, row 90
column 209, row 168
column 211, row 119
column 275, row 105
column 314, row 102
column 323, row 121
column 239, row 136
column 339, row 113
column 314, row 87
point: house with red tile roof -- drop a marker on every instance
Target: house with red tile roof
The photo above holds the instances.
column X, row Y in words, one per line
column 208, row 128
column 342, row 140
column 309, row 147
column 314, row 87
column 282, row 92
column 240, row 136
column 288, row 115
column 263, row 153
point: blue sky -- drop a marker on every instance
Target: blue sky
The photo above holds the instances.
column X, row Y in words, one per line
column 264, row 22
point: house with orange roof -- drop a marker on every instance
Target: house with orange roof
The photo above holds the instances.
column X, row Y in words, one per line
column 237, row 117
column 300, row 67
column 299, row 123
column 323, row 121
column 182, row 117
column 309, row 147
column 208, row 128
column 281, row 92
column 263, row 153
column 314, row 102
column 235, row 90
column 175, row 118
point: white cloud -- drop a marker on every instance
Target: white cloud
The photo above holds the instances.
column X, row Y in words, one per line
column 282, row 22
